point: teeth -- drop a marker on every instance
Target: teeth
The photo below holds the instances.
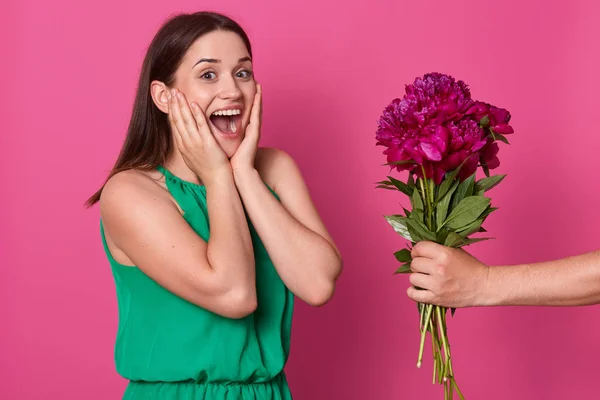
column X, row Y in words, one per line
column 232, row 126
column 227, row 112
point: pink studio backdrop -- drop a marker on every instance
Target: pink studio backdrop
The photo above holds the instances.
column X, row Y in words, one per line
column 328, row 70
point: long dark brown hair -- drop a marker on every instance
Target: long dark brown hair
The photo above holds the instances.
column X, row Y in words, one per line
column 148, row 142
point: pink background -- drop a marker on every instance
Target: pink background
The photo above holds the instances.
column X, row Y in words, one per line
column 328, row 70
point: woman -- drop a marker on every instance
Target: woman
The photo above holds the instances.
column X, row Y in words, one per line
column 209, row 237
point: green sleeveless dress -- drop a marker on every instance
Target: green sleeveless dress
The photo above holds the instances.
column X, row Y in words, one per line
column 171, row 349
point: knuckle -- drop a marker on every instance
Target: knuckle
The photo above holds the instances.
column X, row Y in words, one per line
column 444, row 257
column 441, row 271
column 411, row 279
column 414, row 264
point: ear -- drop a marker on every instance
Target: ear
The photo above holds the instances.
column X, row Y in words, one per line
column 160, row 95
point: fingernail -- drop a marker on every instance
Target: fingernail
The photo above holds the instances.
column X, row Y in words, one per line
column 179, row 96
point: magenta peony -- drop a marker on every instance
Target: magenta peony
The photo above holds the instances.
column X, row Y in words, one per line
column 437, row 127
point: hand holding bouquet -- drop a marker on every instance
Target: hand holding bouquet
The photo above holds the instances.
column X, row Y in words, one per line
column 441, row 136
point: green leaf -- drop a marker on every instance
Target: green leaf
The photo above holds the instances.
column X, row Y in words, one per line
column 486, row 170
column 484, row 121
column 403, row 255
column 406, row 212
column 454, row 240
column 441, row 209
column 467, row 211
column 442, row 235
column 452, row 311
column 385, row 187
column 400, row 162
column 418, row 215
column 398, row 222
column 450, row 178
column 465, row 189
column 471, row 228
column 487, row 212
column 474, row 240
column 500, row 137
column 401, row 186
column 419, row 231
column 446, row 184
column 416, row 201
column 486, row 184
column 411, row 180
column 404, row 269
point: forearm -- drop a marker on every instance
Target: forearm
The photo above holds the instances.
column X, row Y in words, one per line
column 306, row 262
column 571, row 281
column 229, row 250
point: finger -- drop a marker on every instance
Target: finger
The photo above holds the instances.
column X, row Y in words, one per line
column 178, row 119
column 260, row 103
column 176, row 133
column 201, row 122
column 421, row 296
column 187, row 119
column 426, row 249
column 255, row 115
column 422, row 281
column 422, row 265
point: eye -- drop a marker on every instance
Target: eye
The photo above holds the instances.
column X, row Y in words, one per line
column 244, row 74
column 209, row 75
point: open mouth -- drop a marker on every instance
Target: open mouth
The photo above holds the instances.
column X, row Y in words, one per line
column 227, row 122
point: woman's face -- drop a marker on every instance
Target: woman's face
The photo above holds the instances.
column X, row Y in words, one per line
column 216, row 73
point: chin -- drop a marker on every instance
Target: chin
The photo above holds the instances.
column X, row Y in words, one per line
column 229, row 147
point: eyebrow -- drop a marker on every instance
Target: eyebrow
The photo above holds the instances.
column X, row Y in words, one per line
column 215, row 61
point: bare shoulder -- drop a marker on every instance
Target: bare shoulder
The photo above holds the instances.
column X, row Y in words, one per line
column 132, row 190
column 275, row 166
column 132, row 186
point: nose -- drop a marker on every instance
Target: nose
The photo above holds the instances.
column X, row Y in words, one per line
column 229, row 89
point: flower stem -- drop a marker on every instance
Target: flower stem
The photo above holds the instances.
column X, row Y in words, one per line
column 423, row 333
column 438, row 312
column 455, row 386
column 427, row 199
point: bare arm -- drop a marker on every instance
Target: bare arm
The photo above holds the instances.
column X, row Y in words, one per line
column 571, row 281
column 296, row 239
column 454, row 278
column 145, row 224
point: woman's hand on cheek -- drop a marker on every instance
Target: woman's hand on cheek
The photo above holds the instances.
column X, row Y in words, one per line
column 244, row 156
column 193, row 137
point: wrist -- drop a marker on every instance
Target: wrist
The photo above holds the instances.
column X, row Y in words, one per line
column 487, row 296
column 221, row 175
column 244, row 173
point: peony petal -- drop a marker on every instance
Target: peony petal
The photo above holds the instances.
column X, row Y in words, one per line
column 478, row 146
column 441, row 139
column 395, row 154
column 493, row 163
column 499, row 115
column 438, row 175
column 488, row 155
column 410, row 147
column 468, row 168
column 432, row 153
column 503, row 129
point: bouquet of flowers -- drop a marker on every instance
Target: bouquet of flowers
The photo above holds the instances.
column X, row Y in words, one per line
column 441, row 136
